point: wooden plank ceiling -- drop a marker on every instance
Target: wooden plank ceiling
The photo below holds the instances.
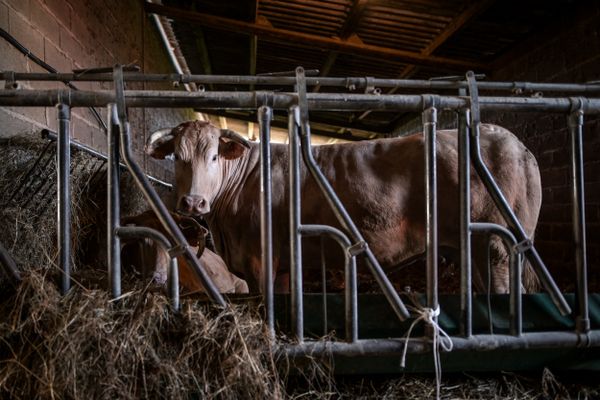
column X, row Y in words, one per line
column 418, row 39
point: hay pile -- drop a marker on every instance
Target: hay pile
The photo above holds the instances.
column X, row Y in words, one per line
column 85, row 346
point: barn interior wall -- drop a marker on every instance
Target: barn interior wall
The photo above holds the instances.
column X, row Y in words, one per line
column 567, row 53
column 76, row 34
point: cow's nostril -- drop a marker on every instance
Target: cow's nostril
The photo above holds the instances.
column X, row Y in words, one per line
column 202, row 202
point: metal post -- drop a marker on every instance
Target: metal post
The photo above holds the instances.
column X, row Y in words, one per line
column 429, row 132
column 150, row 194
column 295, row 237
column 324, row 286
column 338, row 208
column 265, row 115
column 142, row 232
column 64, row 196
column 575, row 122
column 350, row 288
column 113, row 204
column 464, row 179
column 514, row 265
column 503, row 206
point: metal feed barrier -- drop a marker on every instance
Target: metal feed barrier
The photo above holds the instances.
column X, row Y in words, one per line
column 298, row 103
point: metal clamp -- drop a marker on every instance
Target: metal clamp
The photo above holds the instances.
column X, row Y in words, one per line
column 177, row 250
column 264, row 98
column 10, row 82
column 523, row 246
column 357, row 248
column 474, row 99
column 302, row 101
column 429, row 101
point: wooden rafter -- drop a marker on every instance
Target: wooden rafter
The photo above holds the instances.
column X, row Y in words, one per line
column 269, row 33
column 347, row 30
column 456, row 24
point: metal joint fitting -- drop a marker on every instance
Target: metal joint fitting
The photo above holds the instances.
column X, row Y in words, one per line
column 177, row 250
column 523, row 246
column 357, row 248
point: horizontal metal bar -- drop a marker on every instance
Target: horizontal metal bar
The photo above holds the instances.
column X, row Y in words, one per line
column 479, row 343
column 281, row 101
column 51, row 135
column 348, row 82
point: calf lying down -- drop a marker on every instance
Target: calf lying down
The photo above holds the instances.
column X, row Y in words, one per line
column 153, row 255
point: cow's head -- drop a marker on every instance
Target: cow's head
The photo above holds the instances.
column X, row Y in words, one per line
column 201, row 151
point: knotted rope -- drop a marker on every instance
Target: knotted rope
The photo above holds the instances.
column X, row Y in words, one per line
column 428, row 316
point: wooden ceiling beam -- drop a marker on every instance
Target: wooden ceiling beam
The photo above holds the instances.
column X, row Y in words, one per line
column 268, row 33
column 347, row 30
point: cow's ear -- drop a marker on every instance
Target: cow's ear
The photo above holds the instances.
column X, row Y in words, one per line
column 160, row 144
column 231, row 144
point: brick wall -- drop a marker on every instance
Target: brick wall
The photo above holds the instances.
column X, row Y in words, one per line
column 74, row 34
column 568, row 53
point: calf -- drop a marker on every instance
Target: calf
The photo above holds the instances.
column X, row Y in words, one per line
column 195, row 234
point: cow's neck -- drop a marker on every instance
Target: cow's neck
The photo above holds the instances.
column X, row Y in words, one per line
column 234, row 174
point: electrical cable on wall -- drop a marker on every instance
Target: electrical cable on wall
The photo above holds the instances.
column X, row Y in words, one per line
column 25, row 51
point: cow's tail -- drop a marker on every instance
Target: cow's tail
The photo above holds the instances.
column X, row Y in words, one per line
column 530, row 280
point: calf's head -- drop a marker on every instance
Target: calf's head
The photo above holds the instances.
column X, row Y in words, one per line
column 201, row 151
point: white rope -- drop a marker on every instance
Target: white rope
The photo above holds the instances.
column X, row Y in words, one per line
column 428, row 315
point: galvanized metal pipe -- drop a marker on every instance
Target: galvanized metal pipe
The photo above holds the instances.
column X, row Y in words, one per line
column 142, row 232
column 431, row 228
column 282, row 101
column 476, row 343
column 295, row 236
column 265, row 114
column 575, row 123
column 350, row 278
column 514, row 265
column 334, row 202
column 503, row 206
column 148, row 191
column 63, row 151
column 347, row 82
column 464, row 181
column 113, row 216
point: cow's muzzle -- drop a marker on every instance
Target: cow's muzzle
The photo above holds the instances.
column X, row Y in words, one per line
column 193, row 205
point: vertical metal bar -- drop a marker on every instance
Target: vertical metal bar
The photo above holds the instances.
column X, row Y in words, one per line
column 64, row 196
column 337, row 207
column 265, row 115
column 174, row 283
column 150, row 194
column 351, row 298
column 515, row 307
column 464, row 179
column 507, row 213
column 295, row 237
column 113, row 207
column 429, row 131
column 324, row 286
column 575, row 122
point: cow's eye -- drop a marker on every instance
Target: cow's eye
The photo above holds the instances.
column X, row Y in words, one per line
column 214, row 158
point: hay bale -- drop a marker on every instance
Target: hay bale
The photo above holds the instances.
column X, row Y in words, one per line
column 28, row 195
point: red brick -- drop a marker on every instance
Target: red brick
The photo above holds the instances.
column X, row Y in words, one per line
column 61, row 10
column 70, row 45
column 23, row 7
column 57, row 58
column 4, row 17
column 44, row 22
column 23, row 32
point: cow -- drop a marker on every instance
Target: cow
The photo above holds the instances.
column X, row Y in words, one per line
column 158, row 257
column 380, row 182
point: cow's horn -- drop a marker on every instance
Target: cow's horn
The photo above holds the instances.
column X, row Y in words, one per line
column 236, row 137
column 156, row 140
